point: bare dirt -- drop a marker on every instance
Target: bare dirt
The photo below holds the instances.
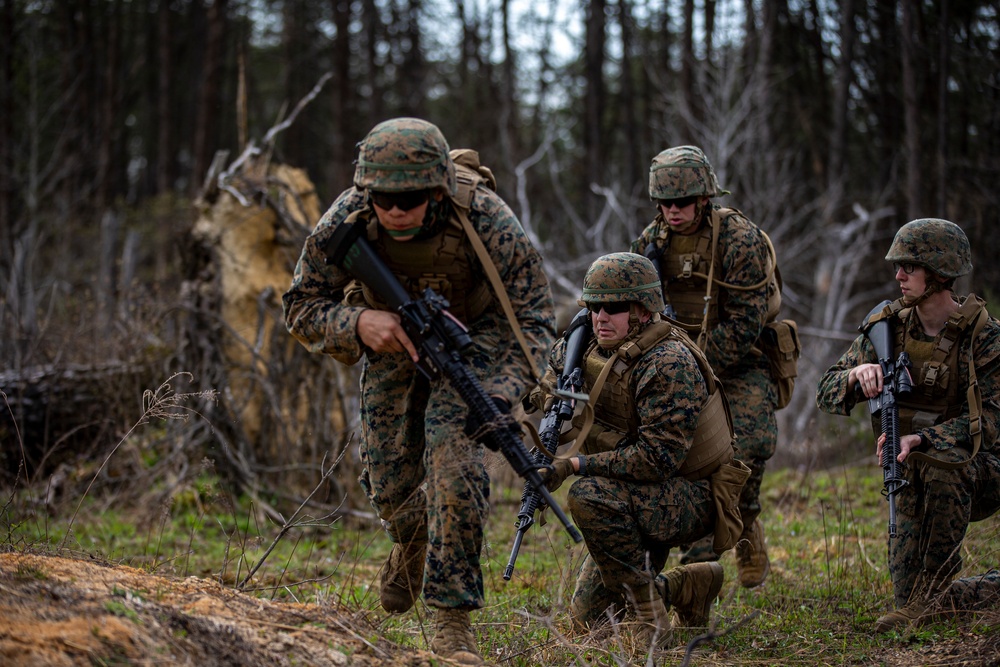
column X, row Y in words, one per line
column 58, row 611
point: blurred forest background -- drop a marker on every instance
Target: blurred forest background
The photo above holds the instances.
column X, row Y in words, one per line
column 126, row 125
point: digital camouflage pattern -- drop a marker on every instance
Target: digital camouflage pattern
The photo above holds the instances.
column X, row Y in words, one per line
column 623, row 276
column 404, row 154
column 732, row 345
column 934, row 509
column 682, row 171
column 937, row 244
column 412, row 430
column 632, row 503
column 975, row 593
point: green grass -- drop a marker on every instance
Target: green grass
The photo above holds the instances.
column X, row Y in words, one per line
column 826, row 535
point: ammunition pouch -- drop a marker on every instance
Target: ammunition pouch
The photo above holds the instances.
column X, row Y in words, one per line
column 780, row 344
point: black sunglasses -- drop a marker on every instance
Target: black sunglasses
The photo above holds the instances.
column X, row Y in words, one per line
column 404, row 201
column 611, row 308
column 907, row 267
column 680, row 202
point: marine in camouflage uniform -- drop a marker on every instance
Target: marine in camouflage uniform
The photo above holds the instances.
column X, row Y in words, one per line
column 944, row 490
column 423, row 475
column 729, row 327
column 630, row 502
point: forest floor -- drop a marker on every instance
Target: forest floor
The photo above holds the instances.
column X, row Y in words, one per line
column 65, row 611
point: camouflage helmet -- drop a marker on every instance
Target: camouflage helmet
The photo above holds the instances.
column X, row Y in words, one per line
column 682, row 171
column 936, row 244
column 404, row 154
column 623, row 276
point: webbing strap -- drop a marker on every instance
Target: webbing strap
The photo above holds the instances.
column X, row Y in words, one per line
column 501, row 293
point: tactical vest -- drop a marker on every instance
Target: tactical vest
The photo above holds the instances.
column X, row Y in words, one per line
column 615, row 407
column 441, row 262
column 937, row 392
column 689, row 267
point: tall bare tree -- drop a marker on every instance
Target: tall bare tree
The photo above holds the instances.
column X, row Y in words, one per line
column 593, row 74
column 165, row 149
column 838, row 135
column 342, row 99
column 209, row 94
column 911, row 112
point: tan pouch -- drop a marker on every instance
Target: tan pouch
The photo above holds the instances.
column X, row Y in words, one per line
column 727, row 484
column 781, row 346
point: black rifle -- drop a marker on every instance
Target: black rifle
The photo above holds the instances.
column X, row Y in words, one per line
column 655, row 254
column 441, row 339
column 564, row 402
column 895, row 382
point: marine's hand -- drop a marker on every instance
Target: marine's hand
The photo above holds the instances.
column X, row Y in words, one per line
column 381, row 331
column 907, row 444
column 868, row 377
column 555, row 474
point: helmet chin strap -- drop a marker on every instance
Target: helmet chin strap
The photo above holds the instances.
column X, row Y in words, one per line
column 930, row 290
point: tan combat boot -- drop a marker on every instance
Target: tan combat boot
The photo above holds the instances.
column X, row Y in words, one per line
column 653, row 627
column 922, row 607
column 751, row 556
column 453, row 638
column 403, row 576
column 691, row 590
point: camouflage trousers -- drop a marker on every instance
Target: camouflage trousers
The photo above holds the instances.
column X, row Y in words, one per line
column 751, row 402
column 933, row 512
column 423, row 476
column 976, row 593
column 629, row 530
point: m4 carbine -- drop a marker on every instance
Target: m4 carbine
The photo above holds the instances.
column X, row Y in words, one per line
column 563, row 404
column 441, row 339
column 895, row 382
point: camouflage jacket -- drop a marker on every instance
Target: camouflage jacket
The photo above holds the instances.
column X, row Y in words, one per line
column 316, row 315
column 744, row 260
column 669, row 390
column 832, row 394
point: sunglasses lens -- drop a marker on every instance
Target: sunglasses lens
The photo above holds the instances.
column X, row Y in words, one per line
column 679, row 203
column 404, row 201
column 613, row 308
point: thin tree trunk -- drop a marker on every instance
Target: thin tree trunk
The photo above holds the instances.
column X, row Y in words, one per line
column 629, row 101
column 842, row 86
column 594, row 98
column 342, row 100
column 911, row 114
column 414, row 69
column 206, row 122
column 688, row 98
column 942, row 111
column 508, row 103
column 370, row 20
column 8, row 45
column 765, row 56
column 165, row 174
column 709, row 30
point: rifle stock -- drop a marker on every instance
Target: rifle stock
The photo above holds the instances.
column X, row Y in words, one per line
column 895, row 382
column 571, row 380
column 441, row 339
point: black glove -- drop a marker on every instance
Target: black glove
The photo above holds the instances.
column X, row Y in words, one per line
column 554, row 475
column 475, row 429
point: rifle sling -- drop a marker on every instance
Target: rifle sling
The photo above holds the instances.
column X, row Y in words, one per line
column 501, row 293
